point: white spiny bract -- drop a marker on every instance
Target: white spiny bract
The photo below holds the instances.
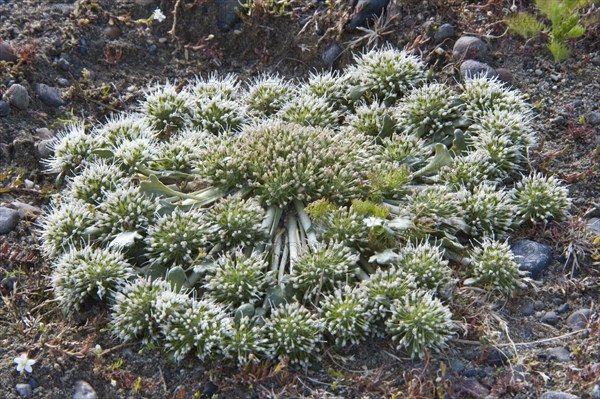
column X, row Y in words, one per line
column 286, row 162
column 182, row 153
column 175, row 239
column 121, row 128
column 467, row 170
column 88, row 273
column 294, row 332
column 96, row 180
column 322, row 269
column 345, row 316
column 239, row 194
column 217, row 115
column 234, row 222
column 419, row 321
column 386, row 74
column 267, row 94
column 131, row 155
column 425, row 262
column 430, row 112
column 310, row 111
column 374, row 120
column 226, row 87
column 540, row 199
column 64, row 226
column 238, row 279
column 71, row 149
column 245, row 342
column 482, row 95
column 192, row 326
column 167, row 108
column 134, row 313
column 488, row 211
column 125, row 210
column 493, row 267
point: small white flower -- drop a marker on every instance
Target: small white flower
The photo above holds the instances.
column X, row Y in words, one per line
column 24, row 363
column 373, row 221
column 158, row 15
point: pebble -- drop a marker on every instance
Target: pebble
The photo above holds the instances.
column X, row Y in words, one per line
column 564, row 308
column 539, row 305
column 366, row 10
column 579, row 319
column 45, row 148
column 555, row 77
column 9, row 218
column 64, row 64
column 83, row 390
column 559, row 120
column 469, row 48
column 527, row 308
column 43, row 133
column 593, row 225
column 49, row 95
column 558, row 395
column 457, row 366
column 595, row 392
column 505, row 75
column 474, row 388
column 532, row 256
column 83, row 47
column 24, row 390
column 210, row 389
column 7, row 52
column 560, row 354
column 4, row 108
column 550, row 318
column 33, row 382
column 63, row 82
column 332, row 54
column 227, row 14
column 473, row 68
column 8, row 284
column 25, row 209
column 112, row 32
column 539, row 72
column 444, row 32
column 17, row 96
column 144, row 3
column 593, row 118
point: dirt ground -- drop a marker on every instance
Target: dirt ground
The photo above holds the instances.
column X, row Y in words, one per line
column 100, row 55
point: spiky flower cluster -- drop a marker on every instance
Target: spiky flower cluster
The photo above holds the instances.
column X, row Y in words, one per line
column 493, row 267
column 259, row 219
column 540, row 198
column 419, row 321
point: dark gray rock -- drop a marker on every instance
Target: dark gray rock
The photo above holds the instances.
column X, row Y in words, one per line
column 4, row 108
column 505, row 75
column 227, row 14
column 550, row 318
column 473, row 68
column 83, row 390
column 469, row 48
column 558, row 395
column 445, row 31
column 365, row 11
column 24, row 390
column 474, row 388
column 33, row 382
column 210, row 389
column 64, row 64
column 9, row 218
column 593, row 118
column 7, row 52
column 559, row 354
column 539, row 305
column 532, row 257
column 44, row 148
column 332, row 54
column 579, row 319
column 527, row 308
column 63, row 82
column 595, row 392
column 457, row 366
column 112, row 32
column 17, row 96
column 49, row 95
column 564, row 308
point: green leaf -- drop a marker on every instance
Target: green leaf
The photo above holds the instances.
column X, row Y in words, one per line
column 385, row 257
column 177, row 277
column 356, row 92
column 400, row 223
column 442, row 158
column 246, row 310
column 125, row 240
column 524, row 24
column 559, row 50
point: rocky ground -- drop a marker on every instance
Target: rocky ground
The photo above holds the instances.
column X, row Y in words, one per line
column 83, row 60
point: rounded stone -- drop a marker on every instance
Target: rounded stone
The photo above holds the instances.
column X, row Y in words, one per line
column 112, row 32
column 7, row 52
column 593, row 118
column 532, row 256
column 579, row 319
column 473, row 68
column 44, row 148
column 505, row 75
column 332, row 54
column 4, row 109
column 366, row 10
column 49, row 95
column 9, row 218
column 550, row 318
column 24, row 390
column 83, row 390
column 17, row 96
column 558, row 395
column 469, row 48
column 445, row 31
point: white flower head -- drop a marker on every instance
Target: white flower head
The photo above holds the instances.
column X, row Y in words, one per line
column 158, row 15
column 373, row 221
column 24, row 363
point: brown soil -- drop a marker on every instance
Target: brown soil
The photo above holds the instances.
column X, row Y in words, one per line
column 111, row 60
